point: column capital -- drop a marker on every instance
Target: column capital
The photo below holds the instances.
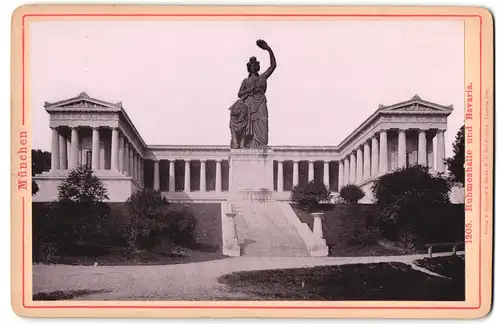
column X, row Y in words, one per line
column 280, row 161
column 401, row 130
column 203, row 160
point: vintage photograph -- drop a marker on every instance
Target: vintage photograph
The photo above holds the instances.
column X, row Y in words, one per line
column 238, row 160
column 218, row 160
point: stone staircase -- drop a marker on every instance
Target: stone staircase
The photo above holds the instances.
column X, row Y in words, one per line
column 263, row 230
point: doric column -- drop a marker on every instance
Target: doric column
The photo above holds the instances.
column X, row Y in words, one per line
column 310, row 173
column 352, row 169
column 203, row 176
column 383, row 153
column 295, row 172
column 430, row 151
column 126, row 158
column 341, row 174
column 280, row 177
column 114, row 148
column 74, row 148
column 120, row 154
column 171, row 176
column 218, row 176
column 141, row 169
column 187, row 175
column 54, row 160
column 375, row 158
column 366, row 161
column 326, row 174
column 63, row 153
column 156, row 179
column 422, row 147
column 359, row 165
column 137, row 167
column 68, row 151
column 402, row 148
column 96, row 148
column 347, row 169
column 130, row 161
column 440, row 151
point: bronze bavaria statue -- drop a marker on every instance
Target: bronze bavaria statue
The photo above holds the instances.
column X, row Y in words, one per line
column 248, row 117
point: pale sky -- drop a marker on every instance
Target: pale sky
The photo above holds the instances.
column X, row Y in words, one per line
column 177, row 79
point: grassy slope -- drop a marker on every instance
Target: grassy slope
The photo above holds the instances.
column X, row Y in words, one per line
column 378, row 281
column 208, row 242
column 346, row 230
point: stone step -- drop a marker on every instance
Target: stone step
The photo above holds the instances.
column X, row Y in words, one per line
column 263, row 230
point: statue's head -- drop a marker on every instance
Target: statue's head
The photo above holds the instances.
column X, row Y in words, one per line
column 253, row 66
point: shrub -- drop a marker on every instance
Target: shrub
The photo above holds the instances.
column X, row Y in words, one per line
column 150, row 218
column 351, row 193
column 181, row 226
column 80, row 212
column 407, row 199
column 82, row 186
column 145, row 215
column 309, row 195
column 34, row 187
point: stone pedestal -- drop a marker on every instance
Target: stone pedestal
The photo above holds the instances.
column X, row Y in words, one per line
column 319, row 248
column 231, row 246
column 251, row 174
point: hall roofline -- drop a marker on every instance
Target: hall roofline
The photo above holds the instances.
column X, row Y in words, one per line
column 393, row 109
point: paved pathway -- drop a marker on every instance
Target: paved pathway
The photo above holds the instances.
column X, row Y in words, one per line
column 191, row 281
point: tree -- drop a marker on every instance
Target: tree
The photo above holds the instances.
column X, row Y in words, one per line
column 407, row 198
column 40, row 161
column 80, row 209
column 351, row 193
column 145, row 211
column 309, row 195
column 150, row 218
column 34, row 187
column 455, row 164
column 82, row 186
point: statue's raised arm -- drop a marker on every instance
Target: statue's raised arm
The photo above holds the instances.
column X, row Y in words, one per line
column 262, row 44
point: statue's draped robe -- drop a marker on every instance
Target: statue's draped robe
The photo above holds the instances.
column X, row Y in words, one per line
column 252, row 117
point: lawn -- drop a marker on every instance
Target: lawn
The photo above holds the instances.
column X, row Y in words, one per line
column 449, row 266
column 207, row 243
column 347, row 231
column 376, row 281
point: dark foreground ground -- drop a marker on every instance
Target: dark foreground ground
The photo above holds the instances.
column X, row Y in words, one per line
column 376, row 281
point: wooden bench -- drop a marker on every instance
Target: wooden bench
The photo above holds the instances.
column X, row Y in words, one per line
column 454, row 246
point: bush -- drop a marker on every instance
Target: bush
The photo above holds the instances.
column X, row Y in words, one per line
column 34, row 187
column 150, row 219
column 82, row 186
column 351, row 193
column 407, row 199
column 181, row 226
column 79, row 214
column 309, row 195
column 145, row 216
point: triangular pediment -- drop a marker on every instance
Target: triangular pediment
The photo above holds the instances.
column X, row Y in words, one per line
column 416, row 104
column 82, row 101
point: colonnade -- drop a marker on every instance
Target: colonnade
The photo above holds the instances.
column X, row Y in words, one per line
column 295, row 173
column 371, row 158
column 187, row 175
column 68, row 152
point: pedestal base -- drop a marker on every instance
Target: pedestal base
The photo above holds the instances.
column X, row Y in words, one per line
column 231, row 248
column 319, row 248
column 251, row 174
